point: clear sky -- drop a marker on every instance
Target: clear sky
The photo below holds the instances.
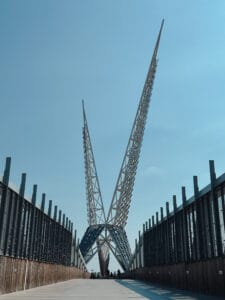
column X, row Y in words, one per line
column 55, row 53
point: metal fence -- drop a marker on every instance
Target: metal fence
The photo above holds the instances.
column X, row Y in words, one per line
column 28, row 232
column 192, row 232
column 185, row 248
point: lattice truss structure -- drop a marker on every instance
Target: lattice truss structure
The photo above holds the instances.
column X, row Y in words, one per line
column 105, row 234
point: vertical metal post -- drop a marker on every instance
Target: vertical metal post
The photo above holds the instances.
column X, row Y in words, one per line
column 76, row 249
column 43, row 202
column 136, row 254
column 19, row 227
column 168, row 239
column 7, row 171
column 175, row 229
column 60, row 216
column 34, row 195
column 3, row 202
column 42, row 229
column 33, row 223
column 197, row 221
column 50, row 208
column 162, row 238
column 174, row 203
column 22, row 248
column 184, row 218
column 157, row 239
column 78, row 256
column 63, row 240
column 157, row 218
column 55, row 213
column 216, row 208
column 146, row 225
column 72, row 251
column 55, row 235
column 49, row 228
column 149, row 223
column 142, row 245
column 153, row 221
column 8, row 227
column 139, row 246
column 161, row 213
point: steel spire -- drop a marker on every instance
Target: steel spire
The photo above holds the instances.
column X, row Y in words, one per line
column 119, row 208
column 95, row 207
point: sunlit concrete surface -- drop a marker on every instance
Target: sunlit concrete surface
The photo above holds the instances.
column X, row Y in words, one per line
column 81, row 289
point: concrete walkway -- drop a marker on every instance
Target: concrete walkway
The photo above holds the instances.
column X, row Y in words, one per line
column 81, row 289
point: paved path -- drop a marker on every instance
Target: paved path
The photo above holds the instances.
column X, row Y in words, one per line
column 81, row 289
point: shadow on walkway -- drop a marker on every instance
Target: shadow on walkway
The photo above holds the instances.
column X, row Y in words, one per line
column 158, row 292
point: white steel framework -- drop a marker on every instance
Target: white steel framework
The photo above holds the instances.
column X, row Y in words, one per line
column 109, row 233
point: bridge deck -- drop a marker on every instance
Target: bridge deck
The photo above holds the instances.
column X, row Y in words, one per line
column 81, row 289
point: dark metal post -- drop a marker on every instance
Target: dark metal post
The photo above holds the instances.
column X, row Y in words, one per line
column 185, row 235
column 157, row 218
column 161, row 213
column 7, row 171
column 146, row 225
column 60, row 216
column 41, row 229
column 20, row 228
column 78, row 257
column 55, row 236
column 50, row 208
column 43, row 202
column 216, row 209
column 153, row 221
column 168, row 239
column 149, row 223
column 33, row 223
column 75, row 246
column 3, row 203
column 197, row 221
column 175, row 229
column 139, row 246
column 162, row 238
column 136, row 254
column 49, row 229
column 157, row 240
column 55, row 213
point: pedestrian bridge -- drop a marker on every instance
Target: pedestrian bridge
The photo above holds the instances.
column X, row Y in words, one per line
column 99, row 289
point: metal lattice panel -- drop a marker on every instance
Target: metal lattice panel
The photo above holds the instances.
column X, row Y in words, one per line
column 122, row 250
column 91, row 235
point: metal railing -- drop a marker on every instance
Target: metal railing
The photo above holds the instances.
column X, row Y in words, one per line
column 194, row 231
column 29, row 232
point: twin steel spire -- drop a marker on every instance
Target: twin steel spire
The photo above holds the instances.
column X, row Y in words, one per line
column 108, row 232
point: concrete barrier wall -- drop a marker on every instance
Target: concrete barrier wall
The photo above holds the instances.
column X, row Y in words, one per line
column 206, row 277
column 19, row 274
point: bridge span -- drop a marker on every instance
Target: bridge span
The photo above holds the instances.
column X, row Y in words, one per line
column 86, row 289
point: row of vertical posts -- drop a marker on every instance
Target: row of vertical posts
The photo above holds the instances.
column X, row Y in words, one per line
column 27, row 231
column 192, row 232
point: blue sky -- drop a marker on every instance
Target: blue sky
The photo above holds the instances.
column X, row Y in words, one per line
column 55, row 53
